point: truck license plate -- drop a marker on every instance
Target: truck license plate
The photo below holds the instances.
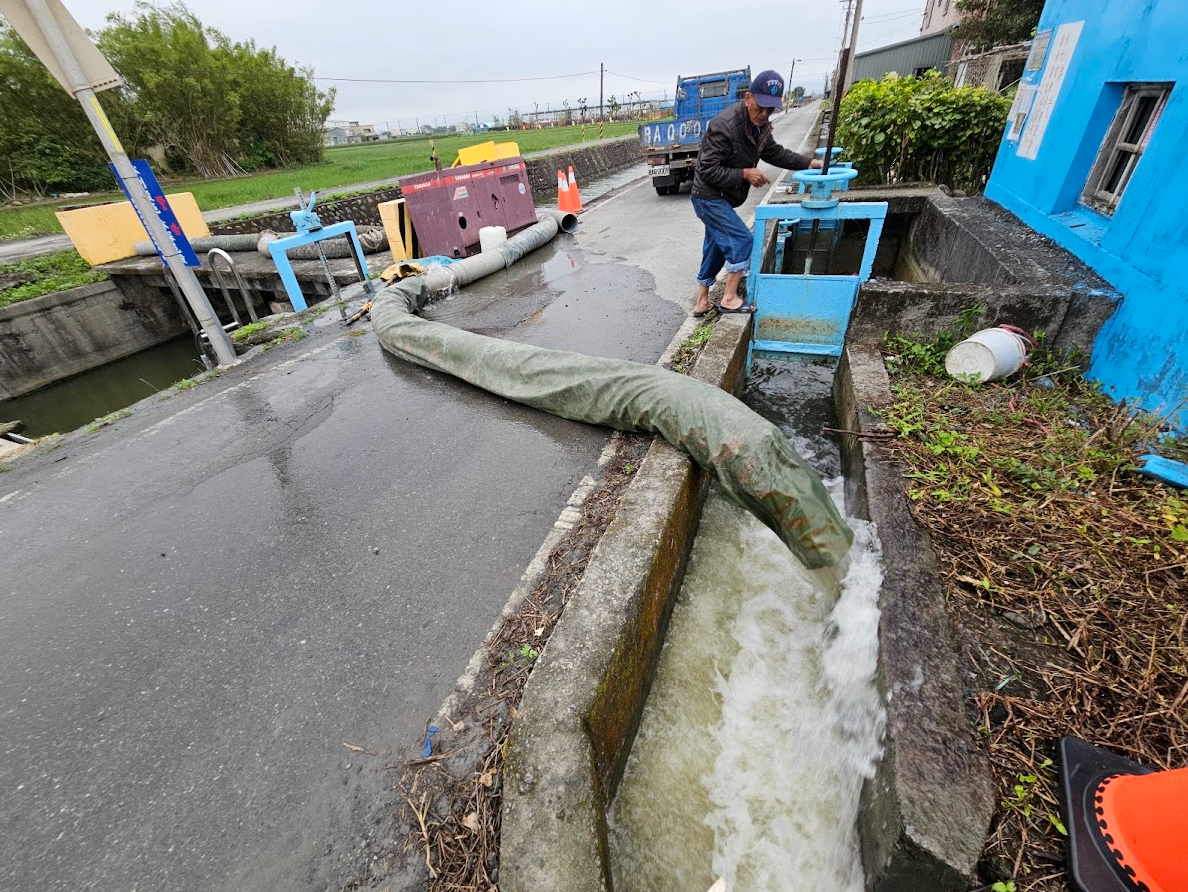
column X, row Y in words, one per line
column 660, row 170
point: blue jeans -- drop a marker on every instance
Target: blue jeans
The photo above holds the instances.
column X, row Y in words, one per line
column 727, row 240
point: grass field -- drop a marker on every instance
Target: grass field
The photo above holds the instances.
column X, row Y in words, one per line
column 343, row 166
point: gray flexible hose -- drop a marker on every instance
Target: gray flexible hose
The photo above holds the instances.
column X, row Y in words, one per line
column 462, row 272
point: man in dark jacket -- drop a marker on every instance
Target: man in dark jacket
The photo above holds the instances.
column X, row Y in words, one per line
column 733, row 143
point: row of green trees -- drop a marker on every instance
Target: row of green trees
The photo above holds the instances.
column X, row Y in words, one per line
column 213, row 107
column 988, row 23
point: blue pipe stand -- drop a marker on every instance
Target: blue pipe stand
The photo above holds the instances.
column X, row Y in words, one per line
column 310, row 231
column 807, row 313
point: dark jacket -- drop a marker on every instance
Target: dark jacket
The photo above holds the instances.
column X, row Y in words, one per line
column 729, row 146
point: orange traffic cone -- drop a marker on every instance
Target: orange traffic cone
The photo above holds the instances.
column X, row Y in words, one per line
column 574, row 195
column 564, row 202
column 1128, row 826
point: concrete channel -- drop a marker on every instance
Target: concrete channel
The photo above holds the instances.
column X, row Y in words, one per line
column 927, row 808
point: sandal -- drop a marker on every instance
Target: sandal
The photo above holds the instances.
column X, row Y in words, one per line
column 703, row 313
column 744, row 309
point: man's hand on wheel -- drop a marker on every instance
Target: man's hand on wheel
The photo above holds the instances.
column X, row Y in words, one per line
column 755, row 176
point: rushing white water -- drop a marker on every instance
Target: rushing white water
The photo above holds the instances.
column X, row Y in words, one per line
column 762, row 722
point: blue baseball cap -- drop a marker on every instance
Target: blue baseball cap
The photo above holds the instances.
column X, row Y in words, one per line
column 768, row 89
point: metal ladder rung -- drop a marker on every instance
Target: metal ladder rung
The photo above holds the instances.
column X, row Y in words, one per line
column 217, row 275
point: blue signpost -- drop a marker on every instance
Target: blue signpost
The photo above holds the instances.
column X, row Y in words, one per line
column 161, row 205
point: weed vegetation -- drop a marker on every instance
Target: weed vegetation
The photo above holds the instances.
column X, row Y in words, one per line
column 53, row 272
column 1067, row 579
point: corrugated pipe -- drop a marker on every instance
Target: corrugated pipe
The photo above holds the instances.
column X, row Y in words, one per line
column 205, row 243
column 471, row 269
column 372, row 238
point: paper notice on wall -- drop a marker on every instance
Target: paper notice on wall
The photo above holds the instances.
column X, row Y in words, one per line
column 1059, row 55
column 1020, row 108
column 1039, row 49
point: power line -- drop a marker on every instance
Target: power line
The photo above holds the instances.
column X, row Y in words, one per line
column 643, row 80
column 897, row 34
column 888, row 16
column 868, row 20
column 497, row 80
column 297, row 74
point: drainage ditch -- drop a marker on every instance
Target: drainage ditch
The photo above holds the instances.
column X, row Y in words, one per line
column 584, row 809
column 763, row 720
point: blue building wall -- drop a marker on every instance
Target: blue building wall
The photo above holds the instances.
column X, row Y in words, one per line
column 1141, row 249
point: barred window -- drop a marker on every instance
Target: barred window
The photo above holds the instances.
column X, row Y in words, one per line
column 1125, row 142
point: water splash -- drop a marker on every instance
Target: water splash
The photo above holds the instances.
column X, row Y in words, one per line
column 762, row 723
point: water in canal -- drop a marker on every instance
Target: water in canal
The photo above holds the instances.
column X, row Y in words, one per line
column 75, row 402
column 763, row 720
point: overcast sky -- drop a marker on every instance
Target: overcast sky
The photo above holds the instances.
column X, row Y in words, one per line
column 643, row 47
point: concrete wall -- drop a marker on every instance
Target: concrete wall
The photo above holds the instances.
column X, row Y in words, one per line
column 581, row 707
column 940, row 256
column 59, row 335
column 590, row 161
column 926, row 811
column 940, row 15
column 1142, row 248
column 360, row 208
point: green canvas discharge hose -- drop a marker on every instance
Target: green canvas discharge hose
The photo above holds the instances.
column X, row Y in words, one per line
column 751, row 458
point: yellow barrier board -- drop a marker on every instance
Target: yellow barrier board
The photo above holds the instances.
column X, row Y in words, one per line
column 486, row 151
column 402, row 240
column 106, row 232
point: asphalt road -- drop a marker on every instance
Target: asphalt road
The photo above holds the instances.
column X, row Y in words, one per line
column 204, row 604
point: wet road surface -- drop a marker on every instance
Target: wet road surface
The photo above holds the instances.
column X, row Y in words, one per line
column 221, row 617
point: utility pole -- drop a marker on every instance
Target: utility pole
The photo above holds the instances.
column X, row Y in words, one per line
column 80, row 85
column 849, row 79
column 601, row 81
column 842, row 54
column 841, row 80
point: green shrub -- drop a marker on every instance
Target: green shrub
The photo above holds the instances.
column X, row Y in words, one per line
column 911, row 129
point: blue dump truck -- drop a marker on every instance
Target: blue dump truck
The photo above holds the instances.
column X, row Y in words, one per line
column 671, row 147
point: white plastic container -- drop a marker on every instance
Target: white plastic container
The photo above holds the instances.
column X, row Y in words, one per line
column 987, row 355
column 491, row 236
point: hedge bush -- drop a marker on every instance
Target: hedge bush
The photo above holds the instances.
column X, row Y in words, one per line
column 912, row 129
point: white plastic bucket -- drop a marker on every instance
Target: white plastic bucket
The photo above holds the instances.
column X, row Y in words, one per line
column 987, row 355
column 491, row 236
